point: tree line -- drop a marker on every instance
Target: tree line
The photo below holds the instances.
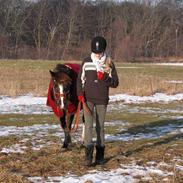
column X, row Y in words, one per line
column 63, row 29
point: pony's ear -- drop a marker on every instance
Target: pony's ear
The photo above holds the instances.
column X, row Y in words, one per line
column 53, row 74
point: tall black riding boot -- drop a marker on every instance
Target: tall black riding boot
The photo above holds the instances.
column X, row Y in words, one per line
column 88, row 155
column 100, row 155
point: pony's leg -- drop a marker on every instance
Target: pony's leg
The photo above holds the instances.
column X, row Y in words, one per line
column 62, row 122
column 66, row 135
column 66, row 127
column 67, row 140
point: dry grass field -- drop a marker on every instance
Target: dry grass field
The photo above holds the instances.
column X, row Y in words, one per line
column 19, row 77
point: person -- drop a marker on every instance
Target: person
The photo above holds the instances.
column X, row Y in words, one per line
column 96, row 75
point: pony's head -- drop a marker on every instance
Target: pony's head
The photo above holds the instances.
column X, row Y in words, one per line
column 61, row 85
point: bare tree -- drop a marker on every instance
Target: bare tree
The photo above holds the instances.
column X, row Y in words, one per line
column 72, row 26
column 55, row 29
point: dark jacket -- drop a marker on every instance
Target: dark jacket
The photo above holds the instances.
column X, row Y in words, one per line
column 94, row 90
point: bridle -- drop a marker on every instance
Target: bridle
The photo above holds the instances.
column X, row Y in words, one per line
column 60, row 97
column 59, row 94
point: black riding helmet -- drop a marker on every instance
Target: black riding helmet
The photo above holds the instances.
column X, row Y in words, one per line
column 98, row 44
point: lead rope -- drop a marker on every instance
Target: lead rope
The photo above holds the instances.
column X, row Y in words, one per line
column 76, row 122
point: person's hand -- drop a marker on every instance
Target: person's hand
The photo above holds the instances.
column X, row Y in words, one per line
column 81, row 98
column 100, row 75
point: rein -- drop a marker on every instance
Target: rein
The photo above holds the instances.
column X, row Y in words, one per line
column 58, row 95
column 76, row 122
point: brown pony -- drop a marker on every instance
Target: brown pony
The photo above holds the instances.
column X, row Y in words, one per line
column 62, row 96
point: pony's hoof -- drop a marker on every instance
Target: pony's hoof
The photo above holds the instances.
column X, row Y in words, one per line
column 82, row 145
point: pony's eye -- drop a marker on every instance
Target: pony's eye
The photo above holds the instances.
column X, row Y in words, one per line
column 66, row 88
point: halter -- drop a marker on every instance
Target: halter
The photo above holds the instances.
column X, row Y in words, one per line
column 57, row 94
column 59, row 97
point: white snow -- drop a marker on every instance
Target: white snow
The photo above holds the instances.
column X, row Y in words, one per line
column 127, row 173
column 34, row 134
column 169, row 64
column 29, row 104
column 16, row 148
column 158, row 97
column 129, row 67
column 179, row 167
column 152, row 133
column 175, row 82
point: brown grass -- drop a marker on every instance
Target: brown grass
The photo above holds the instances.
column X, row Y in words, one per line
column 143, row 86
column 22, row 77
column 15, row 81
column 11, row 177
column 54, row 162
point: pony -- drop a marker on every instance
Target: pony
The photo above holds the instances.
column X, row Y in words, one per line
column 62, row 96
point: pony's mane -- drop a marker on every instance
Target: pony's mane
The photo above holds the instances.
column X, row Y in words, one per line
column 62, row 72
column 62, row 68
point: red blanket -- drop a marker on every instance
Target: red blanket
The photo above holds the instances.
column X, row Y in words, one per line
column 74, row 67
column 50, row 102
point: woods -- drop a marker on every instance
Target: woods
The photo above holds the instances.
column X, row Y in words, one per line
column 62, row 29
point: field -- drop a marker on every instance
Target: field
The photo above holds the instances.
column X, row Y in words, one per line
column 22, row 77
column 144, row 140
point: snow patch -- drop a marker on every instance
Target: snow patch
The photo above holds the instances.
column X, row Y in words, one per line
column 156, row 98
column 127, row 173
column 29, row 104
